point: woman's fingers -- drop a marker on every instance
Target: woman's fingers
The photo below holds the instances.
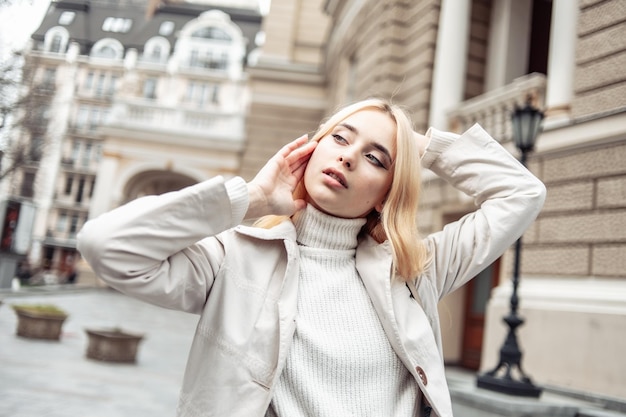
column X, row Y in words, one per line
column 300, row 156
column 293, row 145
column 299, row 166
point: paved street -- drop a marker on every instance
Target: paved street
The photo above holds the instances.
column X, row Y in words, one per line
column 55, row 379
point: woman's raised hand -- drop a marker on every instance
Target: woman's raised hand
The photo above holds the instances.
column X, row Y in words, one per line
column 271, row 190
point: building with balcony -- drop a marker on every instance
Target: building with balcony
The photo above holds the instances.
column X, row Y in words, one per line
column 149, row 97
column 456, row 63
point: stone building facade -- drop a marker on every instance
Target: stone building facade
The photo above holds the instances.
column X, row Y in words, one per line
column 149, row 97
column 288, row 88
column 455, row 63
column 450, row 64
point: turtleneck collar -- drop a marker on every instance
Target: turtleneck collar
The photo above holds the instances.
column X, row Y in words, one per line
column 320, row 230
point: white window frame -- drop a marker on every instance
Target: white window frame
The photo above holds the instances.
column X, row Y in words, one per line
column 67, row 17
column 197, row 52
column 114, row 44
column 117, row 24
column 152, row 44
column 53, row 33
column 166, row 28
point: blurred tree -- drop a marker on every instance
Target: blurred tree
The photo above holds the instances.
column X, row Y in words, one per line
column 10, row 73
column 25, row 101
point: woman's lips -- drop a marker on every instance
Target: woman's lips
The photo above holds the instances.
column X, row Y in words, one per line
column 337, row 176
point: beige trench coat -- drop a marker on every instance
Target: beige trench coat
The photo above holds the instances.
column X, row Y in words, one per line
column 243, row 281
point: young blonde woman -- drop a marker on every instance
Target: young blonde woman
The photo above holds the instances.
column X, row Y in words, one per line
column 328, row 305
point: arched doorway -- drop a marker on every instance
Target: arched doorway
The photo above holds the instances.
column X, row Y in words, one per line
column 155, row 183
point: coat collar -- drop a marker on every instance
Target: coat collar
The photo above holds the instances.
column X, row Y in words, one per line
column 368, row 251
column 283, row 231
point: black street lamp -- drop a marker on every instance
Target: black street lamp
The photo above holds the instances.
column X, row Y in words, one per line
column 526, row 125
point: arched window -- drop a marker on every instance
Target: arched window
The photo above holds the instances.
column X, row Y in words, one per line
column 157, row 49
column 211, row 32
column 213, row 42
column 105, row 51
column 156, row 53
column 56, row 40
column 108, row 48
column 55, row 45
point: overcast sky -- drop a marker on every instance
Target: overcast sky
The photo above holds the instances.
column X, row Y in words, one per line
column 18, row 21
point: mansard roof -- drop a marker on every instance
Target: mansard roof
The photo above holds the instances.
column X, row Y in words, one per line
column 86, row 27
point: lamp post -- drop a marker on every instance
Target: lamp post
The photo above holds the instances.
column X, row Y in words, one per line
column 526, row 125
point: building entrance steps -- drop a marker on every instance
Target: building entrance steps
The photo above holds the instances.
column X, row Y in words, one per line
column 470, row 401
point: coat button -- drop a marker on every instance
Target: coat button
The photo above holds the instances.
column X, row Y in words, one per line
column 422, row 375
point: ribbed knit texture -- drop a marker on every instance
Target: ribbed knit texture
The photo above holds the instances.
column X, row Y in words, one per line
column 340, row 363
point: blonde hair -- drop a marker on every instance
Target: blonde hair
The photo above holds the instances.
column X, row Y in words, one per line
column 397, row 221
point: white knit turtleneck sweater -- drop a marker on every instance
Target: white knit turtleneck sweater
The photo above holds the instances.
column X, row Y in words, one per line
column 340, row 363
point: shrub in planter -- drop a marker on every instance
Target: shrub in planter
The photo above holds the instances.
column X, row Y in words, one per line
column 39, row 321
column 112, row 345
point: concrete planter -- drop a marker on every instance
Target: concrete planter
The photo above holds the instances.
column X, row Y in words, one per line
column 35, row 322
column 112, row 345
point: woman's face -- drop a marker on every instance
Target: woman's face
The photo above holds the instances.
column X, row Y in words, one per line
column 351, row 169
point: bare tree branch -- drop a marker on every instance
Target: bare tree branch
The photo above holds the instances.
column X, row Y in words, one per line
column 28, row 103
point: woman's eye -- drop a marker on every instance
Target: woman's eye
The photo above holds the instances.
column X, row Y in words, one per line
column 375, row 160
column 339, row 138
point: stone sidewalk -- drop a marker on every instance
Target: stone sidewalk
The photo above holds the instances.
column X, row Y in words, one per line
column 55, row 379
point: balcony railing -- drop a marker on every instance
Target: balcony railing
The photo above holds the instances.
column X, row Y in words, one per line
column 150, row 116
column 493, row 109
column 83, row 129
column 66, row 239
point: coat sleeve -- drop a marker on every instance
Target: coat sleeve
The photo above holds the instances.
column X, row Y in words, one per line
column 162, row 249
column 508, row 197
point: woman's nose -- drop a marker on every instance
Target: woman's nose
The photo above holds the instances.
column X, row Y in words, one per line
column 345, row 161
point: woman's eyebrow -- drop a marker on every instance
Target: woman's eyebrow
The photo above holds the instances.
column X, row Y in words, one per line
column 374, row 144
column 349, row 127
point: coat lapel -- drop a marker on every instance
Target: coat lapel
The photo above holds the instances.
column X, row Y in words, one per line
column 373, row 262
column 405, row 322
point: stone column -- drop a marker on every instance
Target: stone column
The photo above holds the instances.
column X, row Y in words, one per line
column 509, row 42
column 450, row 60
column 561, row 61
column 103, row 198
